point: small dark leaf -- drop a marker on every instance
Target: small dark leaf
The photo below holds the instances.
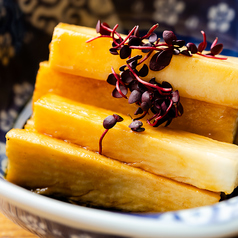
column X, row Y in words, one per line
column 155, row 110
column 176, row 51
column 137, row 126
column 217, row 49
column 180, row 109
column 146, row 97
column 122, row 68
column 169, row 37
column 116, row 94
column 141, row 129
column 192, row 48
column 133, row 65
column 135, row 58
column 118, row 41
column 135, row 85
column 168, row 121
column 111, row 79
column 101, row 30
column 171, row 112
column 202, row 46
column 152, row 81
column 185, row 52
column 166, row 84
column 143, row 71
column 113, row 51
column 134, row 97
column 138, row 111
column 153, row 38
column 134, row 40
column 118, row 118
column 127, row 76
column 145, row 106
column 145, row 50
column 125, row 52
column 178, row 43
column 161, row 59
column 109, row 122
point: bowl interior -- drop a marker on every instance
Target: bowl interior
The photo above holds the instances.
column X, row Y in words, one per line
column 191, row 222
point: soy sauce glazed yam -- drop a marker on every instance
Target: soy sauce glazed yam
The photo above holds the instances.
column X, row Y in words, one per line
column 129, row 122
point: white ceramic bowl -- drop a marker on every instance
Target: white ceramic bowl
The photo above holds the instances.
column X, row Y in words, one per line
column 47, row 217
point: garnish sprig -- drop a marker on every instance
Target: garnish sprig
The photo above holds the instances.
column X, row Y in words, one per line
column 151, row 97
column 108, row 123
column 166, row 50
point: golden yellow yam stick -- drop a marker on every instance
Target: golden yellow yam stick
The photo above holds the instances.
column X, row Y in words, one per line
column 197, row 77
column 63, row 169
column 182, row 156
column 207, row 119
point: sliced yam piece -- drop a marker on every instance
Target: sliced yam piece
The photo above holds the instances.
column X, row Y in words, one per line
column 207, row 119
column 68, row 170
column 182, row 156
column 81, row 89
column 29, row 126
column 197, row 77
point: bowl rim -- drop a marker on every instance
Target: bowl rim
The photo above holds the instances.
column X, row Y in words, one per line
column 218, row 220
column 162, row 224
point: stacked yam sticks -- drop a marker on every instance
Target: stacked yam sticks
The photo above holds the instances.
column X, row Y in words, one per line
column 187, row 164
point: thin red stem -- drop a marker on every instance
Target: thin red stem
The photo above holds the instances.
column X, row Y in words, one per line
column 119, row 90
column 119, row 81
column 212, row 56
column 145, row 47
column 113, row 32
column 214, row 42
column 127, row 37
column 97, row 37
column 100, row 141
column 160, row 89
column 158, row 118
column 145, row 58
column 204, row 37
column 142, row 116
column 152, row 29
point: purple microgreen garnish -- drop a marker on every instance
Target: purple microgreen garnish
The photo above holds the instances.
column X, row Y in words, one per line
column 153, row 38
column 111, row 79
column 150, row 97
column 161, row 59
column 169, row 37
column 134, row 97
column 192, row 48
column 121, row 89
column 202, row 46
column 108, row 123
column 136, row 125
column 144, row 71
column 214, row 50
column 125, row 52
